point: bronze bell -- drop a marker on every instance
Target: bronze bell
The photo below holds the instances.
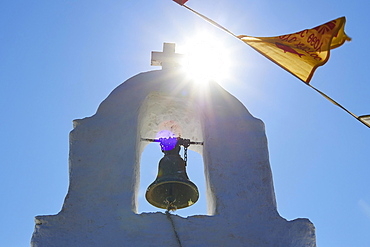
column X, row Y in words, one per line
column 172, row 188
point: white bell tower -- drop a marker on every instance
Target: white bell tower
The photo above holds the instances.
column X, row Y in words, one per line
column 100, row 208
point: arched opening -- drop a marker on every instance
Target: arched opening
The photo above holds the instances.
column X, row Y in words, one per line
column 179, row 116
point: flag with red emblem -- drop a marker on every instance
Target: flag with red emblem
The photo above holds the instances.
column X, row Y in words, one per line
column 302, row 52
column 299, row 53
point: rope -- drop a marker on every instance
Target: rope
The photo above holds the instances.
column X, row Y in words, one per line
column 210, row 21
column 173, row 227
column 337, row 104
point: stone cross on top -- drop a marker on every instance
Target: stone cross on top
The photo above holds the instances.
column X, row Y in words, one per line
column 168, row 58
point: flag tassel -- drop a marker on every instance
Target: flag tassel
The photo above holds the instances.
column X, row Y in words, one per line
column 337, row 104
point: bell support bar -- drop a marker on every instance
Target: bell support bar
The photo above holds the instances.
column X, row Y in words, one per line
column 184, row 142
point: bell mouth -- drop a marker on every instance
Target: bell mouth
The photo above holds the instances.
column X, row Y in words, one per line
column 177, row 194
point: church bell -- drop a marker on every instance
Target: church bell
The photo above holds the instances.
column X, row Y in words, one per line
column 172, row 188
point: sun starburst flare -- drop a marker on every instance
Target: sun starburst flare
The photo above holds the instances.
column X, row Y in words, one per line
column 206, row 59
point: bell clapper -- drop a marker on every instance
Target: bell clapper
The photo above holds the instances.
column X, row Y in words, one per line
column 170, row 204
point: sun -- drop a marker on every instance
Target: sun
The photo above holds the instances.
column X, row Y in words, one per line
column 206, row 59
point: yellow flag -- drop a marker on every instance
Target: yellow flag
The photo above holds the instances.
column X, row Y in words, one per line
column 302, row 52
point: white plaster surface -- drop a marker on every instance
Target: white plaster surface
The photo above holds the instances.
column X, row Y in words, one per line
column 105, row 149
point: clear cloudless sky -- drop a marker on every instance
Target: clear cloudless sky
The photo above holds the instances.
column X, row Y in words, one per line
column 60, row 59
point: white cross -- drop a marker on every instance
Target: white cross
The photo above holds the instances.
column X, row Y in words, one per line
column 168, row 58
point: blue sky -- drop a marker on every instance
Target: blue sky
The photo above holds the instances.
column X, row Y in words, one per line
column 60, row 59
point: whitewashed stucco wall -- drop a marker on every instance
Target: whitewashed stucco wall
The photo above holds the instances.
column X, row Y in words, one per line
column 105, row 149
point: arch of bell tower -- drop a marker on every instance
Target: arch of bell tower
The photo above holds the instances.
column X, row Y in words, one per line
column 105, row 149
